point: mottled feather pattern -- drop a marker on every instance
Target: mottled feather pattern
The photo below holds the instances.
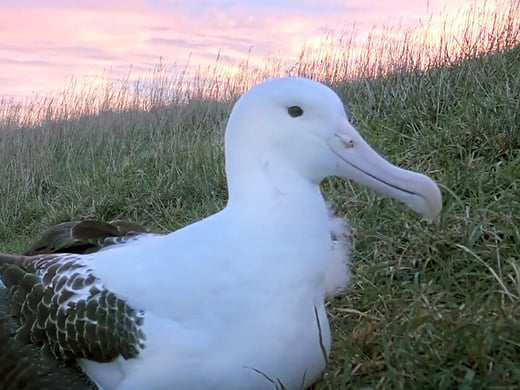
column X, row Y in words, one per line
column 61, row 305
column 24, row 366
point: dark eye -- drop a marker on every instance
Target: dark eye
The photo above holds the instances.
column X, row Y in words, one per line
column 295, row 111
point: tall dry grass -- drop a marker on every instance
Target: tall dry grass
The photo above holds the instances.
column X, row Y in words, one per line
column 485, row 27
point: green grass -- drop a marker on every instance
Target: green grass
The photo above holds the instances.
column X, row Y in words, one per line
column 439, row 304
column 431, row 305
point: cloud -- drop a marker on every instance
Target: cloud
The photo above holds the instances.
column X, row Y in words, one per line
column 57, row 39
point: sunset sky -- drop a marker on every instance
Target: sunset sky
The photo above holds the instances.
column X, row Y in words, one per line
column 44, row 43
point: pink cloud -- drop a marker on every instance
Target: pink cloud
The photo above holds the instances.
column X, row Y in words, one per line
column 43, row 45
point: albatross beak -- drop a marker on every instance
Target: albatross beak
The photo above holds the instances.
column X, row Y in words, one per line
column 357, row 161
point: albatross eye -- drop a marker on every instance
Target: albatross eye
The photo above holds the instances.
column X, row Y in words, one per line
column 295, row 111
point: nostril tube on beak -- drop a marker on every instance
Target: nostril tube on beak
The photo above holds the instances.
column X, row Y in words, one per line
column 347, row 142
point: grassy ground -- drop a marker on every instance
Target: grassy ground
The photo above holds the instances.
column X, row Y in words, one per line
column 436, row 305
column 431, row 305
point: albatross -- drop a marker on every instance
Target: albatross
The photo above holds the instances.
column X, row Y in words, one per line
column 235, row 300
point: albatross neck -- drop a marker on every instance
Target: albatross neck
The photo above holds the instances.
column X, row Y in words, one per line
column 267, row 183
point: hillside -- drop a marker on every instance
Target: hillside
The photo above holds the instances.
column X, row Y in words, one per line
column 430, row 305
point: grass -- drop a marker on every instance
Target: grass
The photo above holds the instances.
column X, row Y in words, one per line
column 437, row 305
column 431, row 305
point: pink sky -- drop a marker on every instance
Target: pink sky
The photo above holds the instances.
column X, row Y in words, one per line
column 44, row 44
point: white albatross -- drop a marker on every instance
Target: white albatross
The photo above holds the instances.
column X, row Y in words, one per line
column 236, row 300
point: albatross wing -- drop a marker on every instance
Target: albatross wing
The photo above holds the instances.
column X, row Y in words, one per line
column 83, row 236
column 25, row 366
column 61, row 305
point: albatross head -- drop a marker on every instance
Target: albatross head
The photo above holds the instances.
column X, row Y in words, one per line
column 301, row 125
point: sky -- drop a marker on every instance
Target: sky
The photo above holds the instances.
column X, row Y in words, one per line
column 45, row 43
